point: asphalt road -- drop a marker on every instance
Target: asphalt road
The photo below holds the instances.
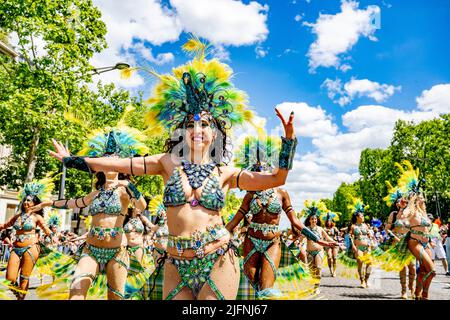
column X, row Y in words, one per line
column 383, row 286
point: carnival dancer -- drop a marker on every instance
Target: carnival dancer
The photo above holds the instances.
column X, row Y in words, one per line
column 104, row 251
column 361, row 237
column 262, row 244
column 328, row 220
column 420, row 233
column 141, row 266
column 396, row 229
column 314, row 249
column 199, row 101
column 26, row 247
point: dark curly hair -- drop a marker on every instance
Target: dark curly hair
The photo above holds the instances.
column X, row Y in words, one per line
column 220, row 157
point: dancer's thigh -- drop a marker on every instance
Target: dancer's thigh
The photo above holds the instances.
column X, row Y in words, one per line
column 267, row 273
column 79, row 288
column 12, row 269
column 225, row 275
column 171, row 281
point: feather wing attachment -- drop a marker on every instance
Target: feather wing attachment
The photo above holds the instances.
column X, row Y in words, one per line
column 258, row 153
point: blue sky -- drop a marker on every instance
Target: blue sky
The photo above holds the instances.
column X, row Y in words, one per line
column 347, row 80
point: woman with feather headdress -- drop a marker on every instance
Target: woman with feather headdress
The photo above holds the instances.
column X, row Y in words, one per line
column 262, row 209
column 26, row 248
column 328, row 220
column 104, row 252
column 314, row 249
column 198, row 105
column 396, row 229
column 420, row 227
column 361, row 238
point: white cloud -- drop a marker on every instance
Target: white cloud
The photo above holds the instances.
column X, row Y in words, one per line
column 337, row 34
column 344, row 94
column 147, row 54
column 308, row 121
column 335, row 156
column 227, row 22
column 261, row 52
column 298, row 18
column 436, row 99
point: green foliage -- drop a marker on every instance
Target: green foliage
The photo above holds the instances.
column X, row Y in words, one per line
column 342, row 198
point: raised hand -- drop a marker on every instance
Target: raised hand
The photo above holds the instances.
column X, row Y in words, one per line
column 288, row 126
column 61, row 150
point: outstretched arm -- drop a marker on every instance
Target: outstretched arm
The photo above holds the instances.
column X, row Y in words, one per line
column 148, row 224
column 9, row 223
column 67, row 203
column 136, row 165
column 240, row 214
column 253, row 181
column 41, row 223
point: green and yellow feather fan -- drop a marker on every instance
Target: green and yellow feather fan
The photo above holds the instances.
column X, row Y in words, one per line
column 409, row 181
column 41, row 189
column 121, row 140
column 198, row 86
column 394, row 194
column 258, row 153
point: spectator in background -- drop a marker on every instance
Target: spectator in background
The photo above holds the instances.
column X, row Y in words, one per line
column 6, row 241
column 437, row 249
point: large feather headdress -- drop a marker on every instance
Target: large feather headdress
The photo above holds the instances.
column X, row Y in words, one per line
column 357, row 206
column 409, row 180
column 313, row 208
column 41, row 189
column 198, row 86
column 53, row 218
column 258, row 153
column 394, row 194
column 122, row 141
column 329, row 215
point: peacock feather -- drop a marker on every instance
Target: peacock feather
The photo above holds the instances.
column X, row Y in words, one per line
column 156, row 206
column 258, row 153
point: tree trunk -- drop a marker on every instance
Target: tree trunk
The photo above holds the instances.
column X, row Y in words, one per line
column 32, row 157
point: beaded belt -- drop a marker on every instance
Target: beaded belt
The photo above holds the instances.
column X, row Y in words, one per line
column 101, row 232
column 23, row 237
column 265, row 228
column 198, row 240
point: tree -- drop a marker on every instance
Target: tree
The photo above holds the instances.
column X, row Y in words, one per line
column 56, row 40
column 342, row 198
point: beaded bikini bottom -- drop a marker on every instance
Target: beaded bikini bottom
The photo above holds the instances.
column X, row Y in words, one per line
column 196, row 272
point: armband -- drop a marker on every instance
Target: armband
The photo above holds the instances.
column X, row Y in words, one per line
column 76, row 163
column 309, row 234
column 287, row 152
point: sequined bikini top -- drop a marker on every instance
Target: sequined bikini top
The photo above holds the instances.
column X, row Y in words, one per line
column 268, row 200
column 212, row 196
column 108, row 202
column 134, row 224
column 360, row 232
column 25, row 225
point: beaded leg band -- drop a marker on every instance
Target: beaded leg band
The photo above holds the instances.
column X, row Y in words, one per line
column 287, row 152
